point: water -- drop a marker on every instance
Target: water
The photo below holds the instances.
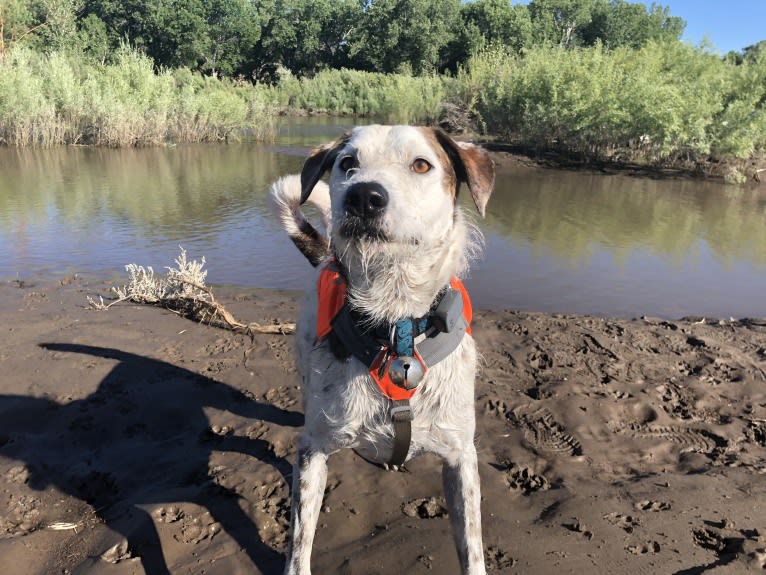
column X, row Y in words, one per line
column 557, row 241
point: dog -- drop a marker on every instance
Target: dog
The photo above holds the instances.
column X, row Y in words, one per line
column 383, row 339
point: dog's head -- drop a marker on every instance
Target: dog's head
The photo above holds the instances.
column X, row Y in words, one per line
column 397, row 184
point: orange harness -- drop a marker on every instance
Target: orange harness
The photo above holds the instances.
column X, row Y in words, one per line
column 332, row 297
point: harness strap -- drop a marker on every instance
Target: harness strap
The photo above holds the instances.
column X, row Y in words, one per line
column 435, row 349
column 401, row 416
column 451, row 320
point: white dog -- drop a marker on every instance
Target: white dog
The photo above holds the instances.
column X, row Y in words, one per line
column 383, row 339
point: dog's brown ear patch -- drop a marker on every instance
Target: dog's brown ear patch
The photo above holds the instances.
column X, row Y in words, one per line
column 473, row 165
column 320, row 160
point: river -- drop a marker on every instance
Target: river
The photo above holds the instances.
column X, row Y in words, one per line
column 556, row 240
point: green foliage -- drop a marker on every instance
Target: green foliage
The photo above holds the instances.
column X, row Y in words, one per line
column 394, row 97
column 305, row 35
column 597, row 79
column 618, row 23
column 398, row 35
column 666, row 102
column 59, row 98
column 234, row 28
column 252, row 38
column 498, row 23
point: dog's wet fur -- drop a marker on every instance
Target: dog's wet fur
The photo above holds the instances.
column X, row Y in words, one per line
column 395, row 228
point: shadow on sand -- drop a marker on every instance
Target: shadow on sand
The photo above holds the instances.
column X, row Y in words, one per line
column 141, row 438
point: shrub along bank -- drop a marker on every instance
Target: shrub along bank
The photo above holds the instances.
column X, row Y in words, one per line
column 664, row 104
column 61, row 98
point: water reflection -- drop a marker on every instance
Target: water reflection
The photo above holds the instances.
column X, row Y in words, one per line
column 556, row 241
column 94, row 209
column 571, row 242
column 571, row 216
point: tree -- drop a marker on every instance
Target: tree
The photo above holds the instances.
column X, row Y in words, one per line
column 405, row 35
column 620, row 23
column 93, row 38
column 497, row 22
column 46, row 24
column 60, row 16
column 173, row 32
column 556, row 21
column 233, row 31
column 306, row 36
column 16, row 22
column 755, row 52
column 179, row 33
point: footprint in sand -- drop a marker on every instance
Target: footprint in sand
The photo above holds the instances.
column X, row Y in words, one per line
column 281, row 349
column 219, row 365
column 22, row 515
column 627, row 523
column 543, row 432
column 169, row 514
column 496, row 407
column 651, row 505
column 19, row 474
column 525, row 480
column 644, row 548
column 690, row 439
column 195, row 529
column 117, row 553
column 497, row 559
column 758, row 557
column 425, row 508
column 282, row 397
column 257, row 430
column 221, row 345
column 755, row 432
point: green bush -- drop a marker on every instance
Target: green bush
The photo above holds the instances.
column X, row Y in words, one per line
column 390, row 97
column 666, row 102
column 63, row 98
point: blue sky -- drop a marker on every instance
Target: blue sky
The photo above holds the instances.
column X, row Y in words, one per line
column 728, row 24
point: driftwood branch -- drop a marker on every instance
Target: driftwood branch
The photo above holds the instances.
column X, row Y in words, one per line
column 183, row 291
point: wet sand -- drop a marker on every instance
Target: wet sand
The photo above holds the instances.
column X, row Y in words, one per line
column 136, row 441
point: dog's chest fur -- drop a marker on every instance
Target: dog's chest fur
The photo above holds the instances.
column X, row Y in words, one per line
column 354, row 412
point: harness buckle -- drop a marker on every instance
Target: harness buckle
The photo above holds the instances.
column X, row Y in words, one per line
column 401, row 413
column 449, row 311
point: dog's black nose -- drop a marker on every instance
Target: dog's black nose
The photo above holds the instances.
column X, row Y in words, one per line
column 366, row 199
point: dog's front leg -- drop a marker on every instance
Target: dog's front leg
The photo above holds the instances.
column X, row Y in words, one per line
column 309, row 479
column 461, row 488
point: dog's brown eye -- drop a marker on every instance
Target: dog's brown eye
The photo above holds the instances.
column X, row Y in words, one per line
column 421, row 166
column 347, row 163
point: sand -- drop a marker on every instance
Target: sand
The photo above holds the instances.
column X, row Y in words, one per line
column 136, row 441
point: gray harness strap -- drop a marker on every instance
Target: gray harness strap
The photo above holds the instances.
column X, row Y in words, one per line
column 437, row 348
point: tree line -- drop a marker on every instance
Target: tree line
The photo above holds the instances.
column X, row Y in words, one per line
column 594, row 80
column 253, row 39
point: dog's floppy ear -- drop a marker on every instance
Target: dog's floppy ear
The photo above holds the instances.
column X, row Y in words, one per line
column 320, row 160
column 472, row 165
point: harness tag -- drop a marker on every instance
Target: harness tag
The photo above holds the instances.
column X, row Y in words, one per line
column 449, row 311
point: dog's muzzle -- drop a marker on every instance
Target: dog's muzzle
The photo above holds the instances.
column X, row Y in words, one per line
column 363, row 209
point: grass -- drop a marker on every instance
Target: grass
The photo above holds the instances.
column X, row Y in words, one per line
column 59, row 98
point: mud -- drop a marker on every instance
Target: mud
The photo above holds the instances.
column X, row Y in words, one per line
column 135, row 441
